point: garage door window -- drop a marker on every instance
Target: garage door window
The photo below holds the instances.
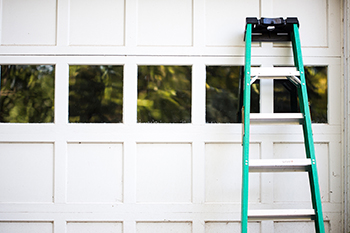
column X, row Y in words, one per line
column 95, row 94
column 285, row 94
column 27, row 93
column 164, row 94
column 223, row 94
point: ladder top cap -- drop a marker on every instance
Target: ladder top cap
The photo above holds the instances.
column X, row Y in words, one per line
column 271, row 29
column 272, row 21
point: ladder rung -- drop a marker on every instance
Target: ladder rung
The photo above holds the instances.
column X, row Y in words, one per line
column 292, row 118
column 279, row 165
column 274, row 72
column 306, row 214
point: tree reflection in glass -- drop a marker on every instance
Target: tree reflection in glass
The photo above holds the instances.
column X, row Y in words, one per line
column 95, row 94
column 286, row 98
column 223, row 95
column 164, row 94
column 27, row 93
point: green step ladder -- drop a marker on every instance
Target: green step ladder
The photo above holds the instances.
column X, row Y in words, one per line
column 271, row 30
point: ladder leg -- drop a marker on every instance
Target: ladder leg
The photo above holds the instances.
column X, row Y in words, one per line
column 246, row 122
column 293, row 31
column 307, row 130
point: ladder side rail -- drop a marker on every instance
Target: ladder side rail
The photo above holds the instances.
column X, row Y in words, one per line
column 307, row 129
column 246, row 125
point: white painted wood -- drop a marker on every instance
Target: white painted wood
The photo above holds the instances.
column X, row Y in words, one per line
column 130, row 87
column 165, row 23
column 224, row 28
column 87, row 27
column 27, row 172
column 62, row 25
column 315, row 28
column 224, row 18
column 159, row 227
column 24, row 24
column 156, row 165
column 294, row 187
column 266, row 88
column 94, row 227
column 94, row 173
column 279, row 165
column 93, row 188
column 346, row 136
column 199, row 171
column 301, row 226
column 222, row 161
column 229, row 226
column 198, row 95
column 23, row 227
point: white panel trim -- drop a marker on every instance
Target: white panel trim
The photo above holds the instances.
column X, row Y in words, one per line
column 198, row 93
column 346, row 123
column 62, row 22
column 1, row 13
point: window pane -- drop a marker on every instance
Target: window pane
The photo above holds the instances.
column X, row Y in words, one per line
column 164, row 94
column 27, row 93
column 223, row 95
column 286, row 100
column 95, row 94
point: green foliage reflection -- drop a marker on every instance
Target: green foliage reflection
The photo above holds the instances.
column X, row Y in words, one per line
column 285, row 94
column 27, row 93
column 164, row 94
column 222, row 94
column 95, row 94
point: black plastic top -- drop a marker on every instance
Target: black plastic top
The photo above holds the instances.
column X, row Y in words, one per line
column 271, row 29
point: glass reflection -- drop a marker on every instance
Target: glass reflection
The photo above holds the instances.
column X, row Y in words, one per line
column 223, row 94
column 95, row 94
column 286, row 98
column 27, row 93
column 164, row 94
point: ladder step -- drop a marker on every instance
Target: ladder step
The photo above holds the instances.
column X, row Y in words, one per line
column 274, row 72
column 275, row 118
column 285, row 214
column 279, row 165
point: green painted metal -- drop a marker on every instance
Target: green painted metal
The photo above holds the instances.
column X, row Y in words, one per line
column 307, row 130
column 246, row 124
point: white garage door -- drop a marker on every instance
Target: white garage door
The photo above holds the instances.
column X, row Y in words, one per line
column 111, row 117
